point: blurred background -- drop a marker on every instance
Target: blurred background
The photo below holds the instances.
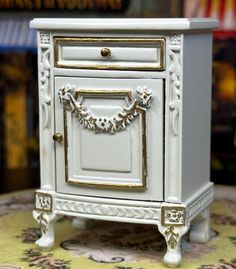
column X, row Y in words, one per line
column 19, row 139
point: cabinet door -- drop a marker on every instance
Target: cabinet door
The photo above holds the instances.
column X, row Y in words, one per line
column 112, row 137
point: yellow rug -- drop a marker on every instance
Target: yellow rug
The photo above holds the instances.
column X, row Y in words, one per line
column 109, row 245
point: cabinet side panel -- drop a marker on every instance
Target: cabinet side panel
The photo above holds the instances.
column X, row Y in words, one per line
column 196, row 116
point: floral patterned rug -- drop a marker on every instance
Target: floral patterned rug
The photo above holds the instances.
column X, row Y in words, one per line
column 111, row 245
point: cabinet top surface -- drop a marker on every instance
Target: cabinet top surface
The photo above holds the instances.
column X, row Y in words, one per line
column 138, row 24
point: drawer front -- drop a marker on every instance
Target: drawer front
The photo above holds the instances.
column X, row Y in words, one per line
column 112, row 131
column 109, row 53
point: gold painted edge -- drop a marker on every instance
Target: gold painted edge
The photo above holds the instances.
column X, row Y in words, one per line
column 182, row 208
column 87, row 92
column 106, row 185
column 142, row 186
column 59, row 40
column 142, row 112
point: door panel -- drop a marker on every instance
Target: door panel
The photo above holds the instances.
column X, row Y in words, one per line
column 92, row 146
column 112, row 143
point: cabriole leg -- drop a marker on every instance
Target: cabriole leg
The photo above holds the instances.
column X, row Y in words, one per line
column 173, row 236
column 46, row 222
column 173, row 226
column 200, row 227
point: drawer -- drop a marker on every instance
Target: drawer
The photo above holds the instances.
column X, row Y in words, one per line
column 109, row 53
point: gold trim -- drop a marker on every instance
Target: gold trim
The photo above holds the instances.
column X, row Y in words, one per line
column 43, row 194
column 87, row 92
column 142, row 113
column 178, row 208
column 160, row 42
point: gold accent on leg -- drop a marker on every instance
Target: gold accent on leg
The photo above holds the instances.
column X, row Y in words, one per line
column 173, row 236
column 173, row 215
column 43, row 223
column 43, row 201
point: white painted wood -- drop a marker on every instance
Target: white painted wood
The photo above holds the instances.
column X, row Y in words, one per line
column 173, row 257
column 196, row 113
column 174, row 53
column 108, row 73
column 46, row 222
column 177, row 105
column 124, row 24
column 200, row 227
column 70, row 55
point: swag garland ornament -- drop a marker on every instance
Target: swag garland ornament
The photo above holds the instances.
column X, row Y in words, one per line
column 102, row 124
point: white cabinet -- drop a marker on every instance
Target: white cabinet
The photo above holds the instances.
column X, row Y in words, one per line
column 125, row 124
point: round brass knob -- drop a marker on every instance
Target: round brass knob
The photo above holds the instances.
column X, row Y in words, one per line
column 57, row 137
column 105, row 52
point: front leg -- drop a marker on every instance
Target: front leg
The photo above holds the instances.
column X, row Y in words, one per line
column 173, row 236
column 46, row 222
column 173, row 226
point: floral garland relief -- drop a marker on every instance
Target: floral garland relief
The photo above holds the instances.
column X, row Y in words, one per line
column 102, row 124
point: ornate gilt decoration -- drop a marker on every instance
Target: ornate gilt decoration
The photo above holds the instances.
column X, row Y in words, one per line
column 43, row 201
column 44, row 37
column 173, row 216
column 105, row 124
column 43, row 222
column 106, row 210
column 172, row 236
column 175, row 84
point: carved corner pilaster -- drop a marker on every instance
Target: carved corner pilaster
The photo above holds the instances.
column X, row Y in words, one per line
column 173, row 113
column 46, row 116
column 44, row 77
column 175, row 73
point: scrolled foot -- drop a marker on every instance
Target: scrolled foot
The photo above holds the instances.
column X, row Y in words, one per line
column 45, row 243
column 172, row 259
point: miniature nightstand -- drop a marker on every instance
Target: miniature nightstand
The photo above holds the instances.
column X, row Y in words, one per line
column 125, row 124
